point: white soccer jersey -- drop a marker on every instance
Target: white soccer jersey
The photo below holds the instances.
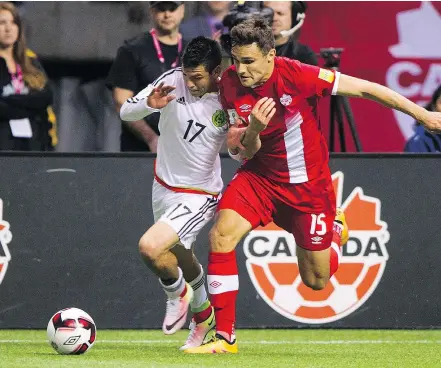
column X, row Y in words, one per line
column 193, row 130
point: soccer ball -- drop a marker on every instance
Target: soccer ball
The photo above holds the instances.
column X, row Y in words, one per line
column 71, row 331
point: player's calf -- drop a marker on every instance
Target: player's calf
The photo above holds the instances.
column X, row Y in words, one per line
column 223, row 279
column 222, row 240
column 154, row 247
column 314, row 267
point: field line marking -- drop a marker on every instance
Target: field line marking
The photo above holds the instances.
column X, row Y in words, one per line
column 261, row 342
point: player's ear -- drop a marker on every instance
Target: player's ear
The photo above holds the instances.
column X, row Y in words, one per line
column 271, row 55
column 216, row 73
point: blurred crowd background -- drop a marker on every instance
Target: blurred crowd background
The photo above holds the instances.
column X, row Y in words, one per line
column 72, row 63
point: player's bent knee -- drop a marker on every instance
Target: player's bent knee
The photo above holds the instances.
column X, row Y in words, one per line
column 227, row 231
column 221, row 241
column 159, row 239
column 147, row 248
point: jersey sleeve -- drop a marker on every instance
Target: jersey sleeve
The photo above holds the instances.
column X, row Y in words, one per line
column 225, row 99
column 317, row 81
column 136, row 108
column 169, row 78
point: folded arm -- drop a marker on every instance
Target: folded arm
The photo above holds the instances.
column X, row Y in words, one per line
column 246, row 141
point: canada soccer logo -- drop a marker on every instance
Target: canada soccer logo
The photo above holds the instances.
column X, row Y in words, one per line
column 5, row 238
column 273, row 268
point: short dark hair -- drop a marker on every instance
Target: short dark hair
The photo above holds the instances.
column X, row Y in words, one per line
column 256, row 29
column 435, row 96
column 202, row 51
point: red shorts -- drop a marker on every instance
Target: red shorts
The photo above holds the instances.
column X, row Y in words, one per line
column 306, row 210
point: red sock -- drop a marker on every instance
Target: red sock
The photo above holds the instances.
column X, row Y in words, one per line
column 223, row 286
column 184, row 291
column 334, row 260
column 202, row 315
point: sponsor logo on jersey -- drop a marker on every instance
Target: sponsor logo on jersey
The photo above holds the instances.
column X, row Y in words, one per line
column 233, row 115
column 181, row 100
column 245, row 108
column 286, row 100
column 326, row 75
column 273, row 266
column 316, row 239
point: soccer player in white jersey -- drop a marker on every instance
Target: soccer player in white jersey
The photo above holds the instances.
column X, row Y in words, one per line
column 187, row 181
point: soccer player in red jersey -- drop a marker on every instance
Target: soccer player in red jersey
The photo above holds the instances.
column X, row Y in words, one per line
column 284, row 177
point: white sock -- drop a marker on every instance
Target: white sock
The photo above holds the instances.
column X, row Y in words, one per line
column 200, row 293
column 173, row 291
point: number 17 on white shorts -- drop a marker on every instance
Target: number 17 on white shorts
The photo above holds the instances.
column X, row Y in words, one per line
column 186, row 213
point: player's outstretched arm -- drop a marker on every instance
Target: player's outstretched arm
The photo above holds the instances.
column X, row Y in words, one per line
column 354, row 87
column 146, row 102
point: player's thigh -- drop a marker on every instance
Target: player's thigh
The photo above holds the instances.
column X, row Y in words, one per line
column 312, row 231
column 185, row 213
column 158, row 239
column 248, row 197
column 244, row 205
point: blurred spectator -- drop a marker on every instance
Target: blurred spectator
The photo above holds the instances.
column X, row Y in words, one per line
column 422, row 140
column 285, row 18
column 26, row 122
column 139, row 62
column 209, row 24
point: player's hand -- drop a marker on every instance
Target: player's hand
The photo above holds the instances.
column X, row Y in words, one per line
column 262, row 113
column 432, row 122
column 234, row 137
column 160, row 96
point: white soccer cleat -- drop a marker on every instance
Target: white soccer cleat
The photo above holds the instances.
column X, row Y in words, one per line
column 176, row 312
column 200, row 332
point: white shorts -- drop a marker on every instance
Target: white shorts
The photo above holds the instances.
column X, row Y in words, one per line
column 186, row 213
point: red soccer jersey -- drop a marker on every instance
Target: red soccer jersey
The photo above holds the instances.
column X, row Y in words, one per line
column 294, row 149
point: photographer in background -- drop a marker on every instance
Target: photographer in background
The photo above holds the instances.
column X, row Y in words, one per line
column 287, row 20
column 209, row 23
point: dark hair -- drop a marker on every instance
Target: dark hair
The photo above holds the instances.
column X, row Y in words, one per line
column 202, row 51
column 32, row 76
column 435, row 96
column 256, row 29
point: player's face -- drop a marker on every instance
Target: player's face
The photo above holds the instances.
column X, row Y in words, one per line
column 282, row 15
column 199, row 81
column 8, row 29
column 167, row 17
column 252, row 66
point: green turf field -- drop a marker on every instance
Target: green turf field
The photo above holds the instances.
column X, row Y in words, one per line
column 257, row 348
